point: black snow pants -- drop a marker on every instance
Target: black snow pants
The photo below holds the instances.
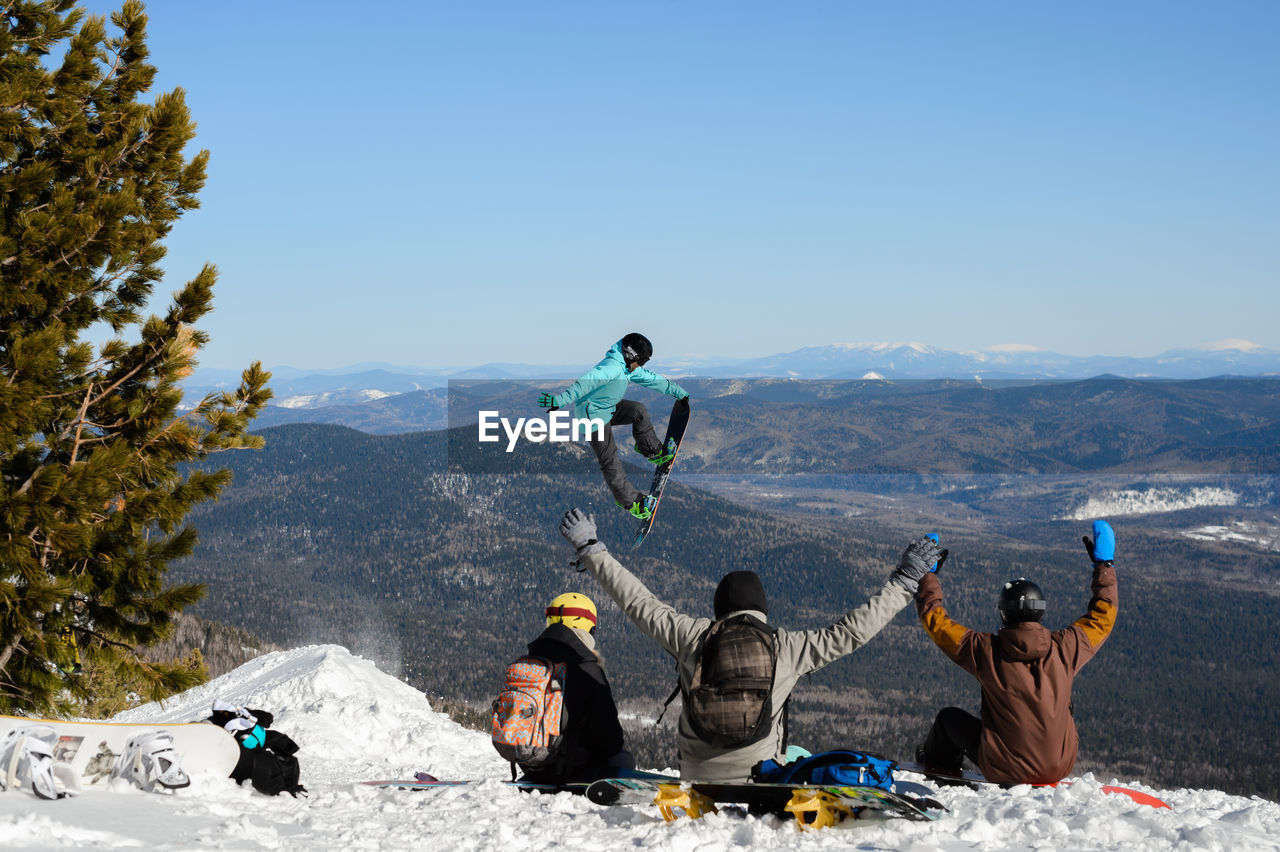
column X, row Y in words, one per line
column 955, row 735
column 606, row 449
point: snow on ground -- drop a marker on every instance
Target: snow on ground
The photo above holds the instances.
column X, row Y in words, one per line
column 1153, row 501
column 356, row 723
column 1262, row 536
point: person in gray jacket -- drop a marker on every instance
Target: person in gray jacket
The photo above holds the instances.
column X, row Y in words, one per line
column 797, row 652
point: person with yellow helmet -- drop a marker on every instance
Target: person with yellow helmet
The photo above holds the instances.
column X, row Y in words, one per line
column 592, row 742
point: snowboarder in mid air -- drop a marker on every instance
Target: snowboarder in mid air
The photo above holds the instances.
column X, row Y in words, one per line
column 599, row 394
column 736, row 671
column 1026, row 734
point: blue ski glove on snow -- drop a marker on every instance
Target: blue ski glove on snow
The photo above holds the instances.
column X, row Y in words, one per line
column 547, row 400
column 579, row 529
column 920, row 557
column 1102, row 547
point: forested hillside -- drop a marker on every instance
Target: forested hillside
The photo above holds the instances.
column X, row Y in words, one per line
column 374, row 542
column 788, row 426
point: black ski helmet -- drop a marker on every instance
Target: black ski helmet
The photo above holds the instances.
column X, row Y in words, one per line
column 636, row 347
column 1021, row 600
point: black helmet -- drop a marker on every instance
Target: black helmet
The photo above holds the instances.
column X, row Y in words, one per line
column 636, row 347
column 1021, row 600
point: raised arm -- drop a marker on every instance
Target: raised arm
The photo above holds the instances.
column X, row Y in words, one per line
column 953, row 638
column 812, row 649
column 657, row 620
column 1096, row 624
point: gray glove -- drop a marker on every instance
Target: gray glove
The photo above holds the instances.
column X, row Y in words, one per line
column 579, row 529
column 917, row 560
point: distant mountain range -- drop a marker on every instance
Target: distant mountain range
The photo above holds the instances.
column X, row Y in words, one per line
column 385, row 401
column 920, row 361
column 385, row 398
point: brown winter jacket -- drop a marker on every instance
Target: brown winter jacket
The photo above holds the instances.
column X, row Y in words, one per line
column 1026, row 671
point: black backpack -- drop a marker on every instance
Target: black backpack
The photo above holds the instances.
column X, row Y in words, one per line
column 730, row 698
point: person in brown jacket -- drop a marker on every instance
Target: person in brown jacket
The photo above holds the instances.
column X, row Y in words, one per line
column 1026, row 734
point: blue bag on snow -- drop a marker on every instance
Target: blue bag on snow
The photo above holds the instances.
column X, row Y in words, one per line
column 830, row 767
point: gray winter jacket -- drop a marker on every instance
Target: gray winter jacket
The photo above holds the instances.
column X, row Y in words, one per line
column 799, row 653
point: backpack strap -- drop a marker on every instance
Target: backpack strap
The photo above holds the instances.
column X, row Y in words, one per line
column 667, row 703
column 786, row 726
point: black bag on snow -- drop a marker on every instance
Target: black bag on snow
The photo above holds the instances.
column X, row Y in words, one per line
column 274, row 769
column 730, row 698
column 266, row 757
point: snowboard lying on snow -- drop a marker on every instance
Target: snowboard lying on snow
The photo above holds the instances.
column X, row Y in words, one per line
column 973, row 779
column 85, row 754
column 812, row 805
column 427, row 781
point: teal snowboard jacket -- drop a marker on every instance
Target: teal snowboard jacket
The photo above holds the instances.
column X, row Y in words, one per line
column 598, row 392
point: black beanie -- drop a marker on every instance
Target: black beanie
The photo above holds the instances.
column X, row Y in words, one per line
column 740, row 590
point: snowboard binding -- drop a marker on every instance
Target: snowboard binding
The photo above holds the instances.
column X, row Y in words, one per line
column 26, row 760
column 149, row 761
column 672, row 799
column 815, row 809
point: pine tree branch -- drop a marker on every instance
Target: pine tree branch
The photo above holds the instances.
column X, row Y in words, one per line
column 108, row 641
column 111, row 72
column 79, row 420
column 9, row 649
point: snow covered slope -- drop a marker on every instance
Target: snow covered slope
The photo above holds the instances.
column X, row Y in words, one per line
column 354, row 722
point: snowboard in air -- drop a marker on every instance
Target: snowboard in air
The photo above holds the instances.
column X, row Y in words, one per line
column 675, row 430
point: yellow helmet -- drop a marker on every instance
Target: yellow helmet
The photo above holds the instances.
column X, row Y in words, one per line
column 572, row 610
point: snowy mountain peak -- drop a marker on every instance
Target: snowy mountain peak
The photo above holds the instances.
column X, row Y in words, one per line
column 1233, row 343
column 879, row 348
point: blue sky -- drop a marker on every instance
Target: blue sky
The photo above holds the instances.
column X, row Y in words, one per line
column 451, row 183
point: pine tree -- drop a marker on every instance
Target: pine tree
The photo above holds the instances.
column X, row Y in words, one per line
column 98, row 461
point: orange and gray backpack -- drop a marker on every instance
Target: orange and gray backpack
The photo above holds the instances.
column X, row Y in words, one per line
column 529, row 714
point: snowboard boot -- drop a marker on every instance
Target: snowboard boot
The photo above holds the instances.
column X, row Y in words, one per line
column 149, row 761
column 665, row 453
column 943, row 776
column 26, row 759
column 642, row 509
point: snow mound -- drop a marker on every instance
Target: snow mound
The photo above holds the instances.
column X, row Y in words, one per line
column 1153, row 501
column 354, row 722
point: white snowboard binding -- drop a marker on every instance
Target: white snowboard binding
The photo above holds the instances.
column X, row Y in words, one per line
column 149, row 761
column 26, row 760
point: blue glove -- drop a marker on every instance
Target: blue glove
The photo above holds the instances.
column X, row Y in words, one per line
column 920, row 557
column 547, row 400
column 1102, row 547
column 942, row 555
